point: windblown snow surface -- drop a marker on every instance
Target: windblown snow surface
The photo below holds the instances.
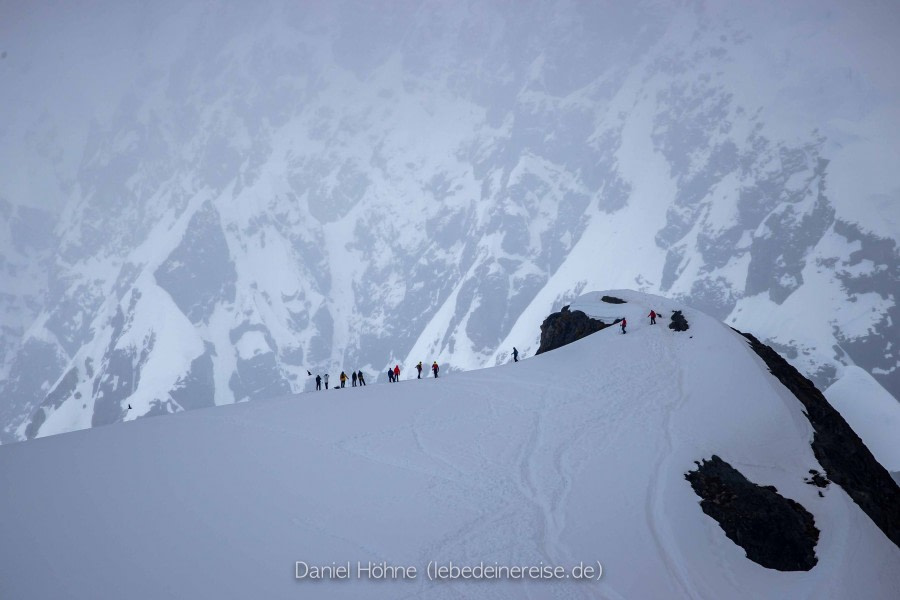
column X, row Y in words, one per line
column 575, row 455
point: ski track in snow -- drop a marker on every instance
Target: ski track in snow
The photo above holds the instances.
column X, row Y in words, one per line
column 422, row 447
column 543, row 481
column 541, row 492
column 666, row 543
column 549, row 501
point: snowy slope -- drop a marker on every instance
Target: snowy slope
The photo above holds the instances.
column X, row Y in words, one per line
column 575, row 455
column 279, row 187
column 871, row 412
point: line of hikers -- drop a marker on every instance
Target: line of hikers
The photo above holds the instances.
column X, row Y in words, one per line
column 394, row 374
column 357, row 377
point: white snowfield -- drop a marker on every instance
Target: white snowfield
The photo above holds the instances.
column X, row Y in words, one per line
column 872, row 413
column 575, row 456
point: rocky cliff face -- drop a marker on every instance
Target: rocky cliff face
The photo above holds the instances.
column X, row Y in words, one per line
column 565, row 327
column 776, row 532
column 846, row 460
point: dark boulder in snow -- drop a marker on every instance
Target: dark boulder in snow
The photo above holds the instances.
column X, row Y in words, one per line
column 565, row 327
column 679, row 323
column 776, row 532
column 817, row 479
column 846, row 460
column 612, row 300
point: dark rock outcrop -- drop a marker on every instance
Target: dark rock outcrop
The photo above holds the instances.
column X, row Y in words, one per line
column 776, row 532
column 679, row 323
column 612, row 300
column 565, row 327
column 846, row 460
column 817, row 479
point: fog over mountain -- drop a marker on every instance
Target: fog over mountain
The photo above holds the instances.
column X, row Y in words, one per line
column 201, row 201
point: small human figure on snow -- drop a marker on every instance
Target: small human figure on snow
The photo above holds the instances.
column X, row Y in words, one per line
column 435, row 368
column 515, row 355
column 623, row 324
column 318, row 382
column 326, row 381
column 353, row 379
column 419, row 369
column 652, row 316
column 362, row 380
column 396, row 372
column 390, row 375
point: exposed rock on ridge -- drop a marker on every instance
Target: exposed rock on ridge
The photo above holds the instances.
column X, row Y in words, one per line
column 776, row 532
column 846, row 460
column 565, row 327
column 679, row 323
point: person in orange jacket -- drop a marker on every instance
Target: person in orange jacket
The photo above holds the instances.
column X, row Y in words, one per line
column 396, row 372
column 343, row 378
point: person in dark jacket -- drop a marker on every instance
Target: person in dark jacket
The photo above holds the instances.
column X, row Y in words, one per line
column 623, row 324
column 362, row 380
column 652, row 316
column 419, row 370
column 353, row 379
column 515, row 355
column 390, row 375
column 435, row 369
column 318, row 382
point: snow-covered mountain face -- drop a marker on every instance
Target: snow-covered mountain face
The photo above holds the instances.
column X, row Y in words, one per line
column 578, row 455
column 201, row 202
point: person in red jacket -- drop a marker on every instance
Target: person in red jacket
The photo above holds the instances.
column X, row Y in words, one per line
column 652, row 316
column 623, row 324
column 435, row 368
column 396, row 372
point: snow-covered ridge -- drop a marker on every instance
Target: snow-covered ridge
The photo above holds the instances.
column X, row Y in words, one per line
column 577, row 455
